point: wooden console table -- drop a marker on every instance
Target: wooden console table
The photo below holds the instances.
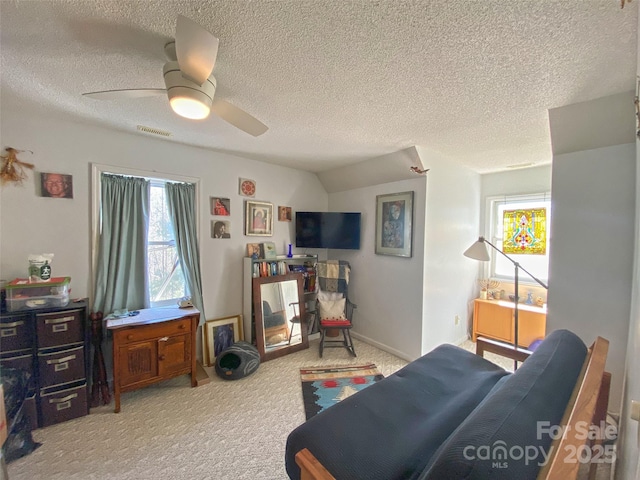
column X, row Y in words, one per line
column 494, row 319
column 157, row 344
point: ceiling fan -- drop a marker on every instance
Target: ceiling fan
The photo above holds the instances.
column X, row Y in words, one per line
column 190, row 85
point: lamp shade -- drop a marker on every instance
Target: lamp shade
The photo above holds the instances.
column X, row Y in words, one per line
column 478, row 251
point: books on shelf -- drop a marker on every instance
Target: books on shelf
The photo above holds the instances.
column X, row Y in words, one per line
column 266, row 268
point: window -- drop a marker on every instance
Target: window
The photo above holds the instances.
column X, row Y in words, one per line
column 166, row 281
column 165, row 276
column 536, row 263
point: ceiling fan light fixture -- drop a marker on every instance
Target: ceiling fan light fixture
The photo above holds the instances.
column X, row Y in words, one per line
column 187, row 98
column 189, row 107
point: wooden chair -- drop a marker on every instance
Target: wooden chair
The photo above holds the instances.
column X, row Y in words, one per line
column 333, row 278
column 343, row 326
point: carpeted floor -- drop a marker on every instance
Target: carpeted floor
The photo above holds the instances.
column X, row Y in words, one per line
column 225, row 430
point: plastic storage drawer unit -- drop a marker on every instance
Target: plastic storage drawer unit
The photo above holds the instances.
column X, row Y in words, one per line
column 24, row 295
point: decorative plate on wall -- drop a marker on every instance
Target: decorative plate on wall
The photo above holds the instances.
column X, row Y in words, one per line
column 247, row 187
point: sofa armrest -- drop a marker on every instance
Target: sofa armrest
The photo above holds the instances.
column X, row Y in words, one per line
column 310, row 467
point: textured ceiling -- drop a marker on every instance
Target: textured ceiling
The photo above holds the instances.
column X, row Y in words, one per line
column 337, row 81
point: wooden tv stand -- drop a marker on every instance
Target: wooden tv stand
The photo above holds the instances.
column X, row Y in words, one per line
column 155, row 345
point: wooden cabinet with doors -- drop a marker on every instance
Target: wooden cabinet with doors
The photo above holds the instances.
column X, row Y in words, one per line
column 495, row 319
column 155, row 345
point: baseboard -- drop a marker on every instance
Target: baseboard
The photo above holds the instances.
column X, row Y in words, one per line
column 382, row 346
column 461, row 340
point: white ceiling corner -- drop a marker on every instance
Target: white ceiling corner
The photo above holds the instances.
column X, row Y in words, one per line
column 337, row 82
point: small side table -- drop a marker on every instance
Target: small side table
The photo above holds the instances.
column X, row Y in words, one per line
column 155, row 345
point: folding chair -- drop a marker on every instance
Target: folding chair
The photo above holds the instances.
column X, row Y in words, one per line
column 334, row 308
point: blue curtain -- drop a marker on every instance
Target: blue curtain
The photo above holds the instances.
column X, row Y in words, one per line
column 121, row 273
column 181, row 203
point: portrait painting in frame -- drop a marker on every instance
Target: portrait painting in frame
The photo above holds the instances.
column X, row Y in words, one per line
column 258, row 219
column 394, row 216
column 220, row 334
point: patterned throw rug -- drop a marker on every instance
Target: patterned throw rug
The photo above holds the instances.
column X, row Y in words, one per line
column 326, row 386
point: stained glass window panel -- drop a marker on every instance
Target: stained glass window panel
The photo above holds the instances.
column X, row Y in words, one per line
column 525, row 231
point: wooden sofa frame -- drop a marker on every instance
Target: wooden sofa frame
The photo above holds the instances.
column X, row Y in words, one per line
column 588, row 403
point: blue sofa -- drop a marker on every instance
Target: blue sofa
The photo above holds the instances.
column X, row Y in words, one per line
column 429, row 419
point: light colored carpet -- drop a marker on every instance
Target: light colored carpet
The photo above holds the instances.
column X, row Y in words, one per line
column 222, row 430
column 225, row 430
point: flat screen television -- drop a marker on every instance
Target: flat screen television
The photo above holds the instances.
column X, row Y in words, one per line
column 328, row 230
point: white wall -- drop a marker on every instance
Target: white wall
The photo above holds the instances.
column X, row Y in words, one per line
column 593, row 226
column 629, row 440
column 32, row 224
column 513, row 182
column 388, row 290
column 407, row 305
column 452, row 216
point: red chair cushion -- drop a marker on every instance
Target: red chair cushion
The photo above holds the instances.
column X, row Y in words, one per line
column 335, row 323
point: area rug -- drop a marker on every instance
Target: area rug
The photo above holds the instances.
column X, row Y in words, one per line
column 323, row 387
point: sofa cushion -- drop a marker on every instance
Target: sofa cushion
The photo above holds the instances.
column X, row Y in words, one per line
column 506, row 423
column 390, row 429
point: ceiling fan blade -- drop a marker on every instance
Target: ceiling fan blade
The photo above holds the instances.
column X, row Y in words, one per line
column 196, row 50
column 125, row 93
column 238, row 117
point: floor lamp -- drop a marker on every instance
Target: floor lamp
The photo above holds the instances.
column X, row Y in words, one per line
column 478, row 251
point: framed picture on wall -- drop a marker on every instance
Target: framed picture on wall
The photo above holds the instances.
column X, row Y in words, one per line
column 220, row 206
column 284, row 214
column 220, row 229
column 394, row 215
column 56, row 185
column 258, row 219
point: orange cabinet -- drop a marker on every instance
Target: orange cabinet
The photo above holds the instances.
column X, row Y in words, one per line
column 495, row 319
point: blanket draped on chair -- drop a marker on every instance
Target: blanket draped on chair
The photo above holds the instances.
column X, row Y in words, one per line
column 333, row 275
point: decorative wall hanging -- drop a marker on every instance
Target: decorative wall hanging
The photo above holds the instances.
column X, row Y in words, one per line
column 247, row 187
column 220, row 229
column 394, row 215
column 284, row 214
column 417, row 170
column 525, row 231
column 220, row 206
column 258, row 219
column 56, row 185
column 13, row 170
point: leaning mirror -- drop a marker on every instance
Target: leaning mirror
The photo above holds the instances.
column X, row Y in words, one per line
column 278, row 304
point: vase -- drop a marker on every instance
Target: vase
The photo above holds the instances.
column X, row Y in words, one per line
column 289, row 255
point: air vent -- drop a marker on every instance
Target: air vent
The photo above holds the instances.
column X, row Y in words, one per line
column 153, row 131
column 521, row 165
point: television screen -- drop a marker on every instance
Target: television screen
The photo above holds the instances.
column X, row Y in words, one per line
column 328, row 230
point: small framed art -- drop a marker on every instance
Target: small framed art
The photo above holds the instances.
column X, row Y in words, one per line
column 56, row 185
column 284, row 214
column 220, row 206
column 247, row 187
column 258, row 219
column 220, row 229
column 220, row 334
column 253, row 250
column 394, row 215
